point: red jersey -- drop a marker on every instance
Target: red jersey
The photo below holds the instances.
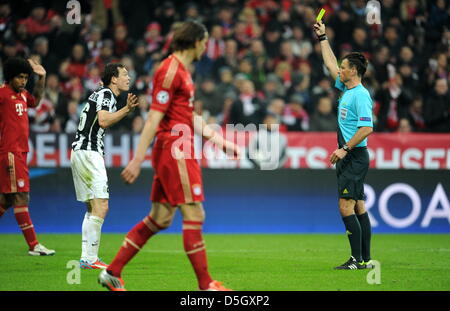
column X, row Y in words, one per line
column 14, row 119
column 173, row 94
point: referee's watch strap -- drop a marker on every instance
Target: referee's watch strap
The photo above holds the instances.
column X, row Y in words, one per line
column 323, row 37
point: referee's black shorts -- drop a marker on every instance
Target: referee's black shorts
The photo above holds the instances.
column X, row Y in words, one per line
column 351, row 172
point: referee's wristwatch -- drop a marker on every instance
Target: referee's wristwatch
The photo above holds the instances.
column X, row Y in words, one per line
column 346, row 148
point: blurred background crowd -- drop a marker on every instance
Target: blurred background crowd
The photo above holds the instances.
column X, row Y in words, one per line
column 262, row 58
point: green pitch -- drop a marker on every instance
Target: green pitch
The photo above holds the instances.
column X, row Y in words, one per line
column 241, row 262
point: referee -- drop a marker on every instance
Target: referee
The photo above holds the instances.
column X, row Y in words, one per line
column 351, row 157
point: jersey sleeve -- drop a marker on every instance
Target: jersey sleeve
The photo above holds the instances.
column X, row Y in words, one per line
column 104, row 102
column 338, row 84
column 164, row 86
column 30, row 100
column 364, row 110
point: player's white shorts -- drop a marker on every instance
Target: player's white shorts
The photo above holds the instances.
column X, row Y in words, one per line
column 89, row 175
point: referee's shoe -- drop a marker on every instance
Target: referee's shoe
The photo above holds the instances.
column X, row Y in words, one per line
column 351, row 264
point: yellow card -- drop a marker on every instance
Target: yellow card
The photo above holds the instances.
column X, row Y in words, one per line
column 321, row 14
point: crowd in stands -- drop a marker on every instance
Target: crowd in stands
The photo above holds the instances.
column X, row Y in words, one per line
column 262, row 58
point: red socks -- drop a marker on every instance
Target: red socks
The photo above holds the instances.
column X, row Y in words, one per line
column 139, row 235
column 134, row 241
column 196, row 252
column 26, row 225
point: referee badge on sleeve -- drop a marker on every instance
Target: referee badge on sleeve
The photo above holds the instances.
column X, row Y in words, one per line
column 343, row 113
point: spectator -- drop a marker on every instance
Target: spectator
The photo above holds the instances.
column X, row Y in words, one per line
column 22, row 38
column 324, row 119
column 437, row 108
column 48, row 60
column 94, row 42
column 360, row 41
column 295, row 116
column 323, row 88
column 78, row 62
column 72, row 118
column 229, row 98
column 225, row 19
column 393, row 105
column 404, row 126
column 226, row 82
column 215, row 48
column 301, row 47
column 153, row 39
column 121, row 40
column 192, row 13
column 106, row 55
column 267, row 146
column 210, row 97
column 273, row 88
column 166, row 16
column 247, row 109
column 272, row 40
column 415, row 115
column 38, row 23
column 241, row 36
column 9, row 50
column 392, row 39
column 6, row 22
column 286, row 55
column 258, row 59
column 342, row 21
column 92, row 80
column 106, row 14
column 301, row 84
column 380, row 63
column 42, row 116
column 54, row 95
column 276, row 108
column 229, row 59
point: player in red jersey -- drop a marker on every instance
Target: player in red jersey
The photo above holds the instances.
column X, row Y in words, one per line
column 15, row 185
column 177, row 181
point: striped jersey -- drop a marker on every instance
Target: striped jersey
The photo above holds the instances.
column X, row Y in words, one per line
column 89, row 133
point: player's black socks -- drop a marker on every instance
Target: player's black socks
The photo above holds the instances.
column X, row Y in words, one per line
column 366, row 234
column 354, row 235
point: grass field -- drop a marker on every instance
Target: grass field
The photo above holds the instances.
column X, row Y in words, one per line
column 241, row 262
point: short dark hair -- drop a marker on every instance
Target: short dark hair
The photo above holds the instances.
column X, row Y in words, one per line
column 14, row 66
column 111, row 70
column 357, row 60
column 187, row 34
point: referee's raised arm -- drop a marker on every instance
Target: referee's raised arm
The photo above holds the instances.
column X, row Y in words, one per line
column 327, row 53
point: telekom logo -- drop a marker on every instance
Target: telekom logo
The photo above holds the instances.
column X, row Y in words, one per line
column 19, row 109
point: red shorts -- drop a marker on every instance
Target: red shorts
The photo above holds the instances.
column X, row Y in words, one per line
column 14, row 172
column 176, row 181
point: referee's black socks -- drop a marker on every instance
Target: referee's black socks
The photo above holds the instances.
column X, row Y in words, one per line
column 366, row 234
column 354, row 235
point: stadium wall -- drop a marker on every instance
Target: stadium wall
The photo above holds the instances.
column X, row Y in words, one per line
column 253, row 201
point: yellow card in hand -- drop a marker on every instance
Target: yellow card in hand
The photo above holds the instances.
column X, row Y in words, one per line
column 321, row 14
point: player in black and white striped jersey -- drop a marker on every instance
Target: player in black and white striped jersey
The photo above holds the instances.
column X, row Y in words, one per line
column 87, row 163
column 90, row 134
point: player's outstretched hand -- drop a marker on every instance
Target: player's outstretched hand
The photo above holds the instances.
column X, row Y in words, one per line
column 132, row 101
column 319, row 28
column 131, row 172
column 37, row 68
column 231, row 148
